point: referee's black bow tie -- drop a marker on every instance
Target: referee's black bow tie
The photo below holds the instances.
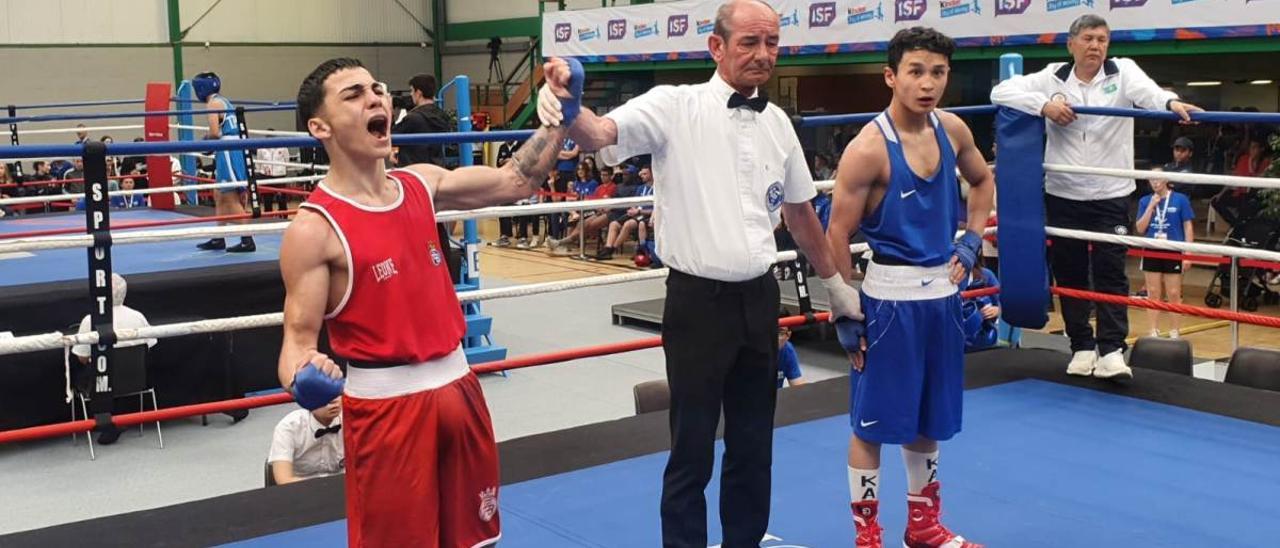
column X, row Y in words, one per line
column 757, row 103
column 330, row 430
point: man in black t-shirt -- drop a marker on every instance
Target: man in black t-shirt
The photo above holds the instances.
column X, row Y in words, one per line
column 426, row 117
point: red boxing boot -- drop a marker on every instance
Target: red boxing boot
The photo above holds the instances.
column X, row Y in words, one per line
column 864, row 517
column 924, row 529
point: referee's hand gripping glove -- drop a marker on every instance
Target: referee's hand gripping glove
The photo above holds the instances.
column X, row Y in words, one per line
column 560, row 99
column 846, row 314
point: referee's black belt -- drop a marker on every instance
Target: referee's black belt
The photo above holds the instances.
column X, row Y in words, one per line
column 719, row 286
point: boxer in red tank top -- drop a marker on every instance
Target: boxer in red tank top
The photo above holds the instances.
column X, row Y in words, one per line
column 363, row 259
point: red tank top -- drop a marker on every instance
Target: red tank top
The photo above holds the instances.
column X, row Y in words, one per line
column 400, row 305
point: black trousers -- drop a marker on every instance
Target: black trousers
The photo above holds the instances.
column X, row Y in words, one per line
column 1101, row 269
column 721, row 346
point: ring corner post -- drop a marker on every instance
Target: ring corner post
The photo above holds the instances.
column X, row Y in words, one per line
column 188, row 162
column 156, row 128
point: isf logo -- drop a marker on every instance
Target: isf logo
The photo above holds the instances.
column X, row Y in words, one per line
column 617, row 29
column 1117, row 4
column 563, row 32
column 909, row 10
column 677, row 25
column 822, row 14
column 1011, row 7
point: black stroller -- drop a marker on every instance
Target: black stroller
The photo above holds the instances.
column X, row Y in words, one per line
column 1252, row 232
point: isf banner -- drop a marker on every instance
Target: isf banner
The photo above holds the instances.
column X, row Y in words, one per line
column 679, row 30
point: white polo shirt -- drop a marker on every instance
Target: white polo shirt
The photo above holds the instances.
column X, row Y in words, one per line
column 721, row 176
column 295, row 441
column 1099, row 141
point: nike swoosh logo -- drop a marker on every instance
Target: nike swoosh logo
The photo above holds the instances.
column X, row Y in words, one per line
column 926, row 282
column 867, row 423
column 907, row 193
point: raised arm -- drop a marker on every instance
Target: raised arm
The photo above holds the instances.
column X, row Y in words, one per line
column 481, row 186
column 589, row 131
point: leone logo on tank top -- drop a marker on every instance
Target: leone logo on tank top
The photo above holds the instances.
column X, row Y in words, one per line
column 384, row 270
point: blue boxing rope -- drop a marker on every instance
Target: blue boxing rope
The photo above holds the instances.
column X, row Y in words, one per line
column 174, row 147
column 113, row 115
column 866, row 117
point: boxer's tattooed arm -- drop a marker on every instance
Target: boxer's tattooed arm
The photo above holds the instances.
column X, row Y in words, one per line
column 533, row 160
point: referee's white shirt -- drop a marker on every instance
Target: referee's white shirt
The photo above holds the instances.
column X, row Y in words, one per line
column 720, row 176
column 295, row 441
column 1100, row 141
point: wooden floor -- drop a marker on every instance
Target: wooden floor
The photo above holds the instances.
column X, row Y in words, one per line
column 540, row 265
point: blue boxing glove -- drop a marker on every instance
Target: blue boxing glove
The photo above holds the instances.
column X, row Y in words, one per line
column 851, row 332
column 572, row 105
column 554, row 110
column 968, row 249
column 313, row 389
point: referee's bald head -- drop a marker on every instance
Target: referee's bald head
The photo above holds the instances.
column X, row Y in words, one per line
column 724, row 15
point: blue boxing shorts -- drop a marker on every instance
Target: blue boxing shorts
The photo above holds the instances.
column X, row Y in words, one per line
column 913, row 382
column 229, row 166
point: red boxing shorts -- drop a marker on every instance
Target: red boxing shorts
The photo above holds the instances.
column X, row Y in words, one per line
column 422, row 467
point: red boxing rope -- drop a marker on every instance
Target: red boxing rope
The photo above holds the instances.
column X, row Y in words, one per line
column 1242, row 317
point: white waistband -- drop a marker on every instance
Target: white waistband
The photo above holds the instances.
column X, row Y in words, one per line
column 907, row 283
column 390, row 382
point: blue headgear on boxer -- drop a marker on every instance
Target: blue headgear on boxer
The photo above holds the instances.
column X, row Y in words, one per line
column 205, row 84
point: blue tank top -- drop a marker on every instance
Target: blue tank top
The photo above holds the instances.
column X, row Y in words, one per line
column 229, row 127
column 916, row 221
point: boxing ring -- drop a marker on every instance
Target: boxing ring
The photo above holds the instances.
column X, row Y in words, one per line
column 1047, row 459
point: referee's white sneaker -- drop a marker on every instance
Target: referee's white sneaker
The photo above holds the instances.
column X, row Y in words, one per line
column 1082, row 363
column 1112, row 366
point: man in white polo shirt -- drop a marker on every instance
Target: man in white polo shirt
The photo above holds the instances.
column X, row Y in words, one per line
column 307, row 444
column 1090, row 202
column 727, row 165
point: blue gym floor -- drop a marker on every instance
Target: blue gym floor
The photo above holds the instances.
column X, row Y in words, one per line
column 71, row 264
column 1039, row 464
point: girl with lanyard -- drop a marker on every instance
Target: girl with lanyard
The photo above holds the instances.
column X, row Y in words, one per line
column 1165, row 215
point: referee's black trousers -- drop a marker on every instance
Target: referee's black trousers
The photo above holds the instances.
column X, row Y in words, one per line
column 1094, row 266
column 721, row 345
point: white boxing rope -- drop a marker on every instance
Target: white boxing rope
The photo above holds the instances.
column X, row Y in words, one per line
column 1165, row 245
column 298, row 165
column 1171, row 176
column 50, row 341
column 78, row 129
column 271, row 132
column 160, row 190
column 15, row 245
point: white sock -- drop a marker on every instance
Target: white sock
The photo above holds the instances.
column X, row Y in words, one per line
column 922, row 469
column 863, row 484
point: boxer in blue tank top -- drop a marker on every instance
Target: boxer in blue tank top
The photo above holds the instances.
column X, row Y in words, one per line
column 229, row 165
column 897, row 184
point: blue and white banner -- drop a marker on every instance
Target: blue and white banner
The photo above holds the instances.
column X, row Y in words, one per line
column 679, row 30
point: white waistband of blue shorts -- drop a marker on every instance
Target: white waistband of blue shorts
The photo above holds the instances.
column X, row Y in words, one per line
column 390, row 382
column 907, row 283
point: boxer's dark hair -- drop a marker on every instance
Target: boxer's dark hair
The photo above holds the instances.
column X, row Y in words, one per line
column 311, row 92
column 425, row 84
column 919, row 38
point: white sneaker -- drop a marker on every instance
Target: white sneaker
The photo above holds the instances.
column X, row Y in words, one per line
column 1173, row 334
column 1082, row 363
column 1155, row 333
column 1112, row 366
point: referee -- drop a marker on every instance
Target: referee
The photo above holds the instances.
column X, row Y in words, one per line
column 728, row 165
